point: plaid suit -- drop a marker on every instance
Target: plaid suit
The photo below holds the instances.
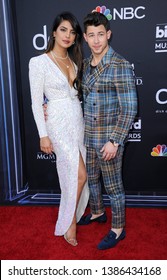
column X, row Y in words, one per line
column 110, row 105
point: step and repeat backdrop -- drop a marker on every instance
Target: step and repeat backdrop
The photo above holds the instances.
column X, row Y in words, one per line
column 139, row 31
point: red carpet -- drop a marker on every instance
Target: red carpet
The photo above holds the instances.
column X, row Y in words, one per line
column 27, row 233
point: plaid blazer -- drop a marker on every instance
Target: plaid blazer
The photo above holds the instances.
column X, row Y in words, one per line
column 110, row 99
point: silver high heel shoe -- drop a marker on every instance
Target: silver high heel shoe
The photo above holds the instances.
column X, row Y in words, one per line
column 71, row 241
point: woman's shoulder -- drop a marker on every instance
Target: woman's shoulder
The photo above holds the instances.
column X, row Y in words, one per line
column 40, row 59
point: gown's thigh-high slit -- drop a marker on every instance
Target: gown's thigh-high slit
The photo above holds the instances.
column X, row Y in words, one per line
column 67, row 168
column 82, row 177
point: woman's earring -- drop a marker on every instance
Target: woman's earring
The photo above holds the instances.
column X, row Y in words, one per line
column 73, row 43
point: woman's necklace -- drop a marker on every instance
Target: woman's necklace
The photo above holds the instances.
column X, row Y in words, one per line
column 60, row 57
column 67, row 66
column 55, row 59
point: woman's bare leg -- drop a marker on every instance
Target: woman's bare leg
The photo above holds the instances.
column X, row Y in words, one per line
column 82, row 177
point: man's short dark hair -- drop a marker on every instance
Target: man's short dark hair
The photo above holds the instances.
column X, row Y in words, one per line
column 96, row 19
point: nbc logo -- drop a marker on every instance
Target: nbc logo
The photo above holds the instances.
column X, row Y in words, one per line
column 159, row 151
column 125, row 13
column 103, row 11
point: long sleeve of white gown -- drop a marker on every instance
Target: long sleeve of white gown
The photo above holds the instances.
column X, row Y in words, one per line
column 36, row 78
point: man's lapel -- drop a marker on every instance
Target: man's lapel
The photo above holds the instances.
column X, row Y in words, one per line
column 89, row 80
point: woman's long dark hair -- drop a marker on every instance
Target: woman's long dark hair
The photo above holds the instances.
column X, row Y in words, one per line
column 75, row 51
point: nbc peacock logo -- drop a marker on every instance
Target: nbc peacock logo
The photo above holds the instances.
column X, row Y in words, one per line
column 103, row 10
column 123, row 13
column 159, row 151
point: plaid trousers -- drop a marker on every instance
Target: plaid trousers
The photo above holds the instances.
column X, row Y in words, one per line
column 111, row 172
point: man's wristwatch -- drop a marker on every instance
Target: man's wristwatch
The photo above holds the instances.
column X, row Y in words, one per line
column 114, row 143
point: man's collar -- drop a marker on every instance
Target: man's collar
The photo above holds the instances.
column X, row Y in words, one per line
column 105, row 59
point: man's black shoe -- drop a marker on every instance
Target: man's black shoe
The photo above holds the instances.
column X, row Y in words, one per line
column 86, row 220
column 110, row 240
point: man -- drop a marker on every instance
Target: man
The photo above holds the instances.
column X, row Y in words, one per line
column 110, row 105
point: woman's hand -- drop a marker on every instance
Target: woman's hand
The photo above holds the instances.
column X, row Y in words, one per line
column 46, row 145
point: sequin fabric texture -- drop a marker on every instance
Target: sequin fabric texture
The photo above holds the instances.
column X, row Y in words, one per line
column 65, row 128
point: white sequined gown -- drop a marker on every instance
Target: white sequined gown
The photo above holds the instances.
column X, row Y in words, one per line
column 65, row 128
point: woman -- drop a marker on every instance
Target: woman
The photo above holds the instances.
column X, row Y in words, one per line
column 56, row 74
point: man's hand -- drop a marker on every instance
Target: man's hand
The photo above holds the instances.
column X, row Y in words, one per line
column 109, row 151
column 46, row 145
